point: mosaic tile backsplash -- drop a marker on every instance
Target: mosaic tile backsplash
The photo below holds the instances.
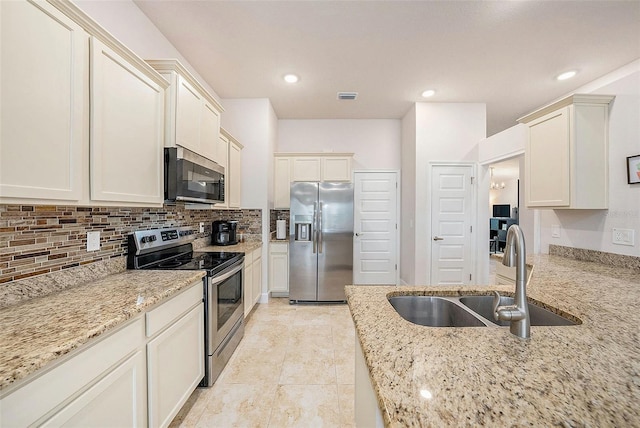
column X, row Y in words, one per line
column 39, row 239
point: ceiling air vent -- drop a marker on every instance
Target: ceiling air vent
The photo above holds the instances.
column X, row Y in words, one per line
column 347, row 95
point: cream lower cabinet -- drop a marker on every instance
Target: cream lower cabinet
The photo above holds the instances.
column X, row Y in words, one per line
column 247, row 293
column 104, row 383
column 112, row 401
column 279, row 269
column 139, row 375
column 367, row 411
column 252, row 279
column 175, row 358
column 256, row 282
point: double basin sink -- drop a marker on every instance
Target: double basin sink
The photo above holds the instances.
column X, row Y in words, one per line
column 466, row 311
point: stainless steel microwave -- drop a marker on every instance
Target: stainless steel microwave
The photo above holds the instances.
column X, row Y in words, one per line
column 190, row 177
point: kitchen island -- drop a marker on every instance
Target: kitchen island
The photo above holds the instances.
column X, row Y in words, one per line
column 583, row 375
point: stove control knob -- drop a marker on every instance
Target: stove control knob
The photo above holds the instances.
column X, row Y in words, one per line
column 152, row 238
column 148, row 238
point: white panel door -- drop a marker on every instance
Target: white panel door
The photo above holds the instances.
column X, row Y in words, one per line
column 375, row 226
column 451, row 207
column 127, row 121
column 44, row 103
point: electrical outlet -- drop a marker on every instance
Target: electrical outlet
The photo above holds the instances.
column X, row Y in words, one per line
column 623, row 237
column 93, row 241
column 201, row 227
column 555, row 231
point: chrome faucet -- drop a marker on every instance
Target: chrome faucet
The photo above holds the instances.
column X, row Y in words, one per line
column 518, row 314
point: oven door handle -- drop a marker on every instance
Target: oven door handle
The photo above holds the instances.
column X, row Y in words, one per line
column 219, row 279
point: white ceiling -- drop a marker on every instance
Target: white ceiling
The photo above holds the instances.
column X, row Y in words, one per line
column 502, row 53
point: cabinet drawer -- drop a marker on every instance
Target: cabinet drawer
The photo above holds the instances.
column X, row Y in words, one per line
column 279, row 247
column 168, row 312
column 56, row 387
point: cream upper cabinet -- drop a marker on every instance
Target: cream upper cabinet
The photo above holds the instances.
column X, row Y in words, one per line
column 233, row 174
column 188, row 116
column 291, row 167
column 98, row 109
column 567, row 154
column 210, row 133
column 305, row 168
column 192, row 115
column 282, row 183
column 336, row 168
column 127, row 119
column 44, row 102
column 230, row 153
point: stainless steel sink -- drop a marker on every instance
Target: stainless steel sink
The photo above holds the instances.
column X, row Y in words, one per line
column 465, row 311
column 433, row 312
column 483, row 305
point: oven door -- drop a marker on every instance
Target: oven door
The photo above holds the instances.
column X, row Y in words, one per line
column 225, row 304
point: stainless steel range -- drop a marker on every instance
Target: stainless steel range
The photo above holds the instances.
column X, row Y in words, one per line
column 171, row 248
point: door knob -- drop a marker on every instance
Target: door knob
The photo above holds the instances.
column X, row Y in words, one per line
column 357, row 234
column 437, row 238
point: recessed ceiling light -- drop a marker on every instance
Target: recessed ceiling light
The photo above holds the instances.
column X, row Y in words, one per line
column 428, row 93
column 291, row 78
column 567, row 75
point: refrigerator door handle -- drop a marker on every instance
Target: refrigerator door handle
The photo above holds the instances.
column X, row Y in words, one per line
column 315, row 229
column 320, row 229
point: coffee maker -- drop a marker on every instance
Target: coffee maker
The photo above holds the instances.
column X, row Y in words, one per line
column 225, row 232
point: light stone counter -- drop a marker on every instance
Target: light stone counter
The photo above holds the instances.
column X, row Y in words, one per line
column 244, row 247
column 585, row 375
column 37, row 331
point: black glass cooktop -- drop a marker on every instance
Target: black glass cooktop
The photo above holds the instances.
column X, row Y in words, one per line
column 212, row 262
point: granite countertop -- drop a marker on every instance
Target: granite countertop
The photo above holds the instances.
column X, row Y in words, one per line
column 585, row 375
column 37, row 331
column 243, row 247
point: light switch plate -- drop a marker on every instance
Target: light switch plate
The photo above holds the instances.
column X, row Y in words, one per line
column 555, row 231
column 93, row 241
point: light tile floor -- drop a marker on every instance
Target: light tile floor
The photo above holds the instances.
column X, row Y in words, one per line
column 295, row 367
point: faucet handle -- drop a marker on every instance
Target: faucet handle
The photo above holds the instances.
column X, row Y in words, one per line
column 496, row 304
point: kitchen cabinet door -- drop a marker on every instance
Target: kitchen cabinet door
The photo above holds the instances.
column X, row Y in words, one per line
column 175, row 364
column 282, row 182
column 210, row 132
column 279, row 269
column 126, row 156
column 305, row 168
column 256, row 282
column 188, row 116
column 117, row 400
column 234, row 175
column 567, row 154
column 336, row 168
column 248, row 287
column 223, row 155
column 44, row 104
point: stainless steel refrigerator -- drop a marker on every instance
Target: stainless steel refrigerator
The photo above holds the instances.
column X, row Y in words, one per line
column 320, row 241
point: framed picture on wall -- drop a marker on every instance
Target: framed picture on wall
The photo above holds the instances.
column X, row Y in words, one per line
column 633, row 169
